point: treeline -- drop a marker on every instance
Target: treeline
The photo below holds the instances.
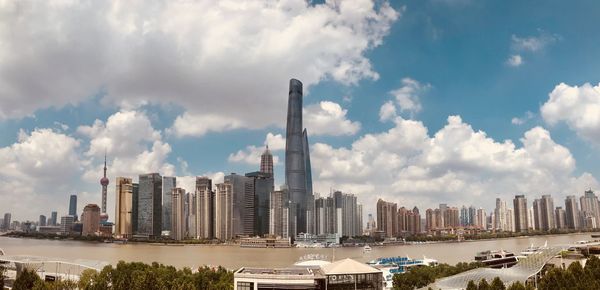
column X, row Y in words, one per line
column 134, row 276
column 494, row 235
column 419, row 277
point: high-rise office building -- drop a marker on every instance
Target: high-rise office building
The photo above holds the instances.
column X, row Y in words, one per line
column 481, row 219
column 223, row 211
column 168, row 183
column 560, row 217
column 66, row 224
column 150, row 205
column 521, row 213
column 263, row 185
column 123, row 207
column 243, row 204
column 104, row 182
column 42, row 220
column 54, row 218
column 590, row 210
column 572, row 212
column 266, row 161
column 279, row 214
column 6, row 222
column 537, row 214
column 178, row 218
column 73, row 205
column 387, row 218
column 135, row 193
column 325, row 216
column 205, row 208
column 500, row 223
column 547, row 210
column 296, row 169
column 345, row 217
column 190, row 210
column 91, row 220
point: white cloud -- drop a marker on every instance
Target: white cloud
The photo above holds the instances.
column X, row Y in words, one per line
column 514, row 60
column 456, row 165
column 328, row 118
column 387, row 111
column 227, row 63
column 408, row 96
column 251, row 154
column 132, row 144
column 38, row 169
column 533, row 43
column 522, row 120
column 578, row 107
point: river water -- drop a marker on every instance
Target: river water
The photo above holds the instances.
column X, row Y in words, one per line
column 233, row 257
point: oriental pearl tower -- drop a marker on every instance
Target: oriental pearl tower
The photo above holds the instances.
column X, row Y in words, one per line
column 104, row 183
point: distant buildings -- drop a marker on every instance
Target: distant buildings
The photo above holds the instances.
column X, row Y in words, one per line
column 387, row 221
column 90, row 220
column 223, row 212
column 279, row 214
column 104, row 182
column 177, row 218
column 6, row 222
column 66, row 224
column 168, row 183
column 572, row 212
column 149, row 205
column 206, row 214
column 73, row 205
column 521, row 213
column 124, row 207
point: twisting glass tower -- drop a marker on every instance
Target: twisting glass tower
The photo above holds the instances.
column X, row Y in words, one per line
column 296, row 161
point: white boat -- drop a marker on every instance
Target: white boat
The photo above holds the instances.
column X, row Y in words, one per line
column 532, row 250
column 367, row 249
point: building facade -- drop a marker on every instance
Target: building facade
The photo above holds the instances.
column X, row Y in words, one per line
column 223, row 211
column 178, row 218
column 91, row 220
column 521, row 213
column 168, row 183
column 123, row 207
column 150, row 205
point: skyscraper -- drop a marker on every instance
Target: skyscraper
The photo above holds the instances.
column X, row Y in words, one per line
column 279, row 214
column 135, row 193
column 560, row 217
column 6, row 222
column 263, row 185
column 53, row 217
column 205, row 215
column 42, row 221
column 168, row 184
column 177, row 214
column 521, row 213
column 572, row 212
column 387, row 218
column 104, row 182
column 266, row 161
column 243, row 204
column 123, row 207
column 223, row 213
column 73, row 205
column 325, row 216
column 590, row 209
column 547, row 207
column 500, row 223
column 91, row 220
column 150, row 205
column 295, row 161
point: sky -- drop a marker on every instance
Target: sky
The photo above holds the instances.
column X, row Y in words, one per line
column 418, row 102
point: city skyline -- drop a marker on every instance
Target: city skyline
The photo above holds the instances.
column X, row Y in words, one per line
column 417, row 102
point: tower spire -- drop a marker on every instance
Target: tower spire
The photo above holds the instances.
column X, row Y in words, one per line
column 104, row 162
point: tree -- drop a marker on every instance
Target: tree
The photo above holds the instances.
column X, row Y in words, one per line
column 2, row 273
column 471, row 285
column 497, row 284
column 26, row 280
column 483, row 285
column 516, row 286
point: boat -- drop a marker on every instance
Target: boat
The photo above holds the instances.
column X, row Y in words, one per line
column 398, row 265
column 367, row 249
column 497, row 259
column 532, row 250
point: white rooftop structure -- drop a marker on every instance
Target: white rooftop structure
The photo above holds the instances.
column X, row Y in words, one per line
column 348, row 266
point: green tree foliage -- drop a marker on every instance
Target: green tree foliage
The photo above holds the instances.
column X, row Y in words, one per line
column 2, row 274
column 26, row 280
column 497, row 284
column 483, row 285
column 422, row 276
column 517, row 286
column 471, row 285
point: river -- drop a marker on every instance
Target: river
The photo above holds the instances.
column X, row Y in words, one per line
column 233, row 257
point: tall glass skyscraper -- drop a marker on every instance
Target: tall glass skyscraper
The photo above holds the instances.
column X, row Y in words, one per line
column 168, row 184
column 297, row 163
column 73, row 205
column 150, row 205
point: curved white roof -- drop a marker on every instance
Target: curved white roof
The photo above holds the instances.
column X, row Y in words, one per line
column 312, row 263
column 25, row 259
column 348, row 266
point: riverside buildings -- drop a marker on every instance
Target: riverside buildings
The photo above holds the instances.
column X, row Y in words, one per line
column 90, row 220
column 177, row 218
column 149, row 205
column 123, row 208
